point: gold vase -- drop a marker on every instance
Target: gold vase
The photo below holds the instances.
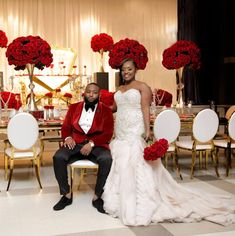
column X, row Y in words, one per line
column 31, row 102
column 101, row 60
column 180, row 87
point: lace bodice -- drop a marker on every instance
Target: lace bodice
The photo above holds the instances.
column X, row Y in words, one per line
column 129, row 117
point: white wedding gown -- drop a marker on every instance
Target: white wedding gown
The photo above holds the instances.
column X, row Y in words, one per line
column 141, row 192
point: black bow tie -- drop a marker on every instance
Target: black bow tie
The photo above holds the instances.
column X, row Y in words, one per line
column 88, row 106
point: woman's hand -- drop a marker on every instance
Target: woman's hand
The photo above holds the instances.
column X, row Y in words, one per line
column 148, row 135
column 69, row 143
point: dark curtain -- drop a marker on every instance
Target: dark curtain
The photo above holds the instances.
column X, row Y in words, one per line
column 210, row 24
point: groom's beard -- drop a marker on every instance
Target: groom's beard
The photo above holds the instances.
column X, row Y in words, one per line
column 91, row 103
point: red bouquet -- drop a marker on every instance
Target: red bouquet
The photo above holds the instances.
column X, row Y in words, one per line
column 106, row 97
column 156, row 150
column 49, row 95
column 182, row 53
column 29, row 50
column 68, row 95
column 3, row 39
column 128, row 48
column 101, row 43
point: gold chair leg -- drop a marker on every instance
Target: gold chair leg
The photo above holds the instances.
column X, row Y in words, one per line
column 206, row 160
column 165, row 160
column 193, row 163
column 11, row 173
column 71, row 180
column 200, row 160
column 215, row 161
column 175, row 158
column 82, row 173
column 42, row 146
column 6, row 166
column 229, row 159
column 37, row 170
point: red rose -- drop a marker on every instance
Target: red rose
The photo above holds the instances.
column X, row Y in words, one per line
column 182, row 53
column 101, row 42
column 3, row 39
column 68, row 95
column 29, row 50
column 49, row 95
column 156, row 150
column 128, row 48
column 106, row 97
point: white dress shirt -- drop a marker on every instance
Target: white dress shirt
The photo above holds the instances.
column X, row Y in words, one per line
column 86, row 118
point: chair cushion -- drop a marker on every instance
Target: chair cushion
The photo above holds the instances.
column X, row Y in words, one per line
column 83, row 164
column 223, row 143
column 188, row 144
column 171, row 148
column 22, row 154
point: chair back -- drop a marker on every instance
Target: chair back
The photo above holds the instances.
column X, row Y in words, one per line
column 229, row 112
column 22, row 131
column 167, row 125
column 205, row 125
column 231, row 127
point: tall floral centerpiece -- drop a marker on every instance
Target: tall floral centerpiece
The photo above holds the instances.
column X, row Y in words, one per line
column 128, row 49
column 3, row 44
column 3, row 103
column 101, row 43
column 181, row 54
column 3, row 39
column 29, row 52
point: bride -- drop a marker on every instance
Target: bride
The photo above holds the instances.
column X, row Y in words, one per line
column 140, row 192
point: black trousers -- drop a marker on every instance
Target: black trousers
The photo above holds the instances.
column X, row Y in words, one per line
column 65, row 156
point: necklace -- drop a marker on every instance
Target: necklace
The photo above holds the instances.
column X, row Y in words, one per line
column 2, row 100
column 159, row 99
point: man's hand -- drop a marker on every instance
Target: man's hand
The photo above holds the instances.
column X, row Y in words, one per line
column 69, row 143
column 86, row 149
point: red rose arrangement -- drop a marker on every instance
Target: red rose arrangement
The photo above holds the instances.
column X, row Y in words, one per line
column 57, row 90
column 101, row 43
column 162, row 97
column 10, row 100
column 49, row 95
column 180, row 54
column 3, row 39
column 156, row 150
column 29, row 50
column 128, row 48
column 106, row 97
column 68, row 95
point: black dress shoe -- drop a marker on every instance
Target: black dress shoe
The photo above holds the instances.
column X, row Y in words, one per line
column 98, row 204
column 62, row 203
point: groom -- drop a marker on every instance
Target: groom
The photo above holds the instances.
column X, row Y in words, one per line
column 86, row 131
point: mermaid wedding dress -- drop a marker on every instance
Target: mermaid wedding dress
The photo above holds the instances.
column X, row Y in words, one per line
column 141, row 192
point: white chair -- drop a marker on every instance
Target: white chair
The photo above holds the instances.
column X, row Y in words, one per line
column 22, row 132
column 205, row 126
column 82, row 165
column 167, row 126
column 227, row 143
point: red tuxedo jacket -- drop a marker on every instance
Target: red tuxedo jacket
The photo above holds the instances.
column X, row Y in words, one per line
column 101, row 130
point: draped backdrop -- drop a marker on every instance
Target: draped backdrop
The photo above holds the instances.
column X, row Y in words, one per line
column 72, row 23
